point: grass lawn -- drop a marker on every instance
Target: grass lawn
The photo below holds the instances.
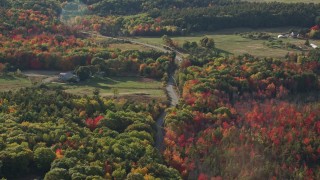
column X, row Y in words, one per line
column 124, row 85
column 13, row 83
column 286, row 1
column 235, row 44
column 150, row 40
column 128, row 46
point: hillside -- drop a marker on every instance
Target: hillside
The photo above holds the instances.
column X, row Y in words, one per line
column 159, row 89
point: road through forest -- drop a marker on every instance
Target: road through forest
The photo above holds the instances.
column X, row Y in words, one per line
column 174, row 99
column 170, row 88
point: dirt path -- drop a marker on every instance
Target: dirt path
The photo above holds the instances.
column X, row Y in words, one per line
column 40, row 73
column 45, row 76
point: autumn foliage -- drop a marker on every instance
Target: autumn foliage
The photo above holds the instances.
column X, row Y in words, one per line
column 245, row 117
column 92, row 123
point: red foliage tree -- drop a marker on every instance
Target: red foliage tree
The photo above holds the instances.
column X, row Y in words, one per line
column 203, row 177
column 92, row 123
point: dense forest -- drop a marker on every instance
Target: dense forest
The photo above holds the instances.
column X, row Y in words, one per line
column 71, row 137
column 32, row 40
column 178, row 18
column 245, row 117
column 146, row 17
column 239, row 117
column 242, row 15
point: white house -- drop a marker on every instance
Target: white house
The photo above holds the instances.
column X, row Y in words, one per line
column 313, row 46
column 68, row 76
column 292, row 34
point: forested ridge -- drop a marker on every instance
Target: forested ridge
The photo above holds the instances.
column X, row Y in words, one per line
column 175, row 17
column 253, row 15
column 172, row 18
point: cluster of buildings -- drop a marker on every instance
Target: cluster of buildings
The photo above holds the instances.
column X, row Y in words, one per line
column 293, row 35
column 289, row 35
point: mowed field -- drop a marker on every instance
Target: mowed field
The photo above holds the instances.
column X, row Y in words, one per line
column 286, row 1
column 13, row 83
column 123, row 86
column 235, row 44
column 127, row 46
column 135, row 88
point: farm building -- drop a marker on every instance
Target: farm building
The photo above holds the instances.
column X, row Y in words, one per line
column 68, row 76
column 313, row 46
column 292, row 35
column 281, row 36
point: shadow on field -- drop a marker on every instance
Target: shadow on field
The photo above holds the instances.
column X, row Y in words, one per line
column 108, row 83
column 7, row 77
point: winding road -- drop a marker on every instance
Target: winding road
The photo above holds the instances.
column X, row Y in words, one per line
column 174, row 100
column 170, row 88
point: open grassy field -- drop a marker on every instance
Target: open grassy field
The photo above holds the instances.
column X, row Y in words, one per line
column 127, row 46
column 136, row 88
column 13, row 83
column 235, row 44
column 286, row 1
column 123, row 85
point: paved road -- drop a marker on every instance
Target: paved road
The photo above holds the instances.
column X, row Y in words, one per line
column 174, row 99
column 170, row 88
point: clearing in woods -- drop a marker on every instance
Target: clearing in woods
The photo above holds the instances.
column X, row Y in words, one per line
column 13, row 83
column 228, row 40
column 127, row 46
column 137, row 88
column 120, row 86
